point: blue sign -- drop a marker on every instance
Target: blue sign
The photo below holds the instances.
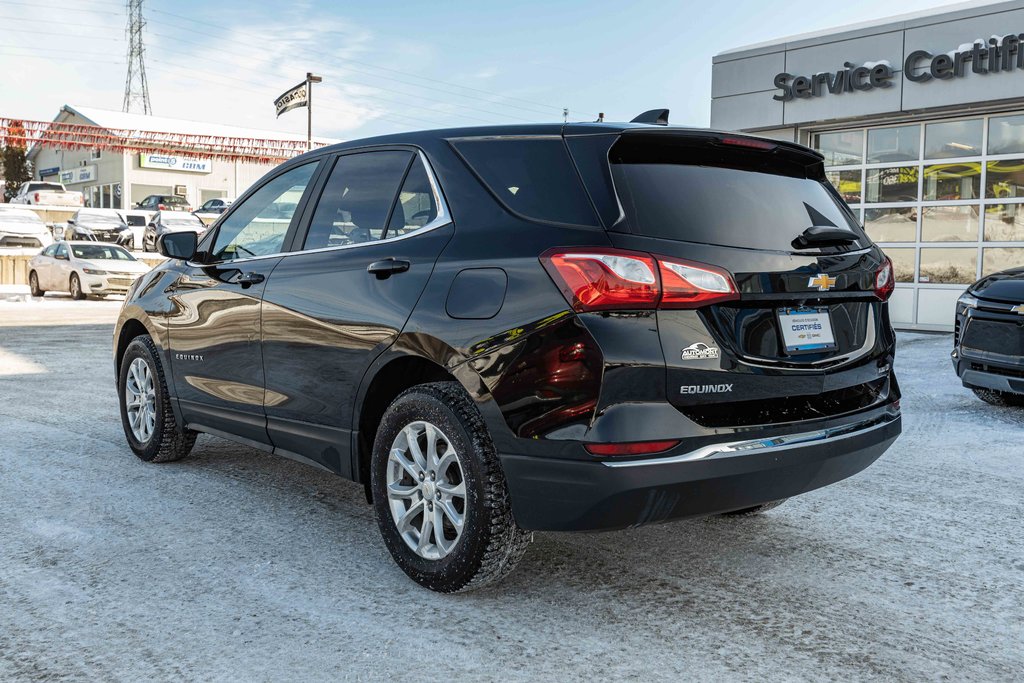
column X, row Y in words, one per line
column 43, row 172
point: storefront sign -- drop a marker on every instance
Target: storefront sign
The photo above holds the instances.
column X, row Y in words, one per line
column 865, row 77
column 43, row 172
column 170, row 162
column 79, row 174
column 999, row 54
column 982, row 57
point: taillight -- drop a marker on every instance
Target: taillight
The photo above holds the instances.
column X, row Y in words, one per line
column 601, row 279
column 631, row 448
column 596, row 279
column 689, row 285
column 161, row 207
column 749, row 143
column 885, row 280
column 37, row 197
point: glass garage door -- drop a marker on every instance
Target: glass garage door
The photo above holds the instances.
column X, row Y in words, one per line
column 944, row 199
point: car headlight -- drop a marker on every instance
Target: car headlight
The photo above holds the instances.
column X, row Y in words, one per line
column 968, row 300
column 91, row 271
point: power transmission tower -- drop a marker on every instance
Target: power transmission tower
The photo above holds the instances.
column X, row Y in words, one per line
column 136, row 89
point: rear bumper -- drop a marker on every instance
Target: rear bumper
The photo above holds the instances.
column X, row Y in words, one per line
column 571, row 495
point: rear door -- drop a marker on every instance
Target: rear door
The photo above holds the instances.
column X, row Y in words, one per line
column 336, row 304
column 807, row 320
column 214, row 323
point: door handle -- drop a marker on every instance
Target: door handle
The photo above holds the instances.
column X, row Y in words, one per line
column 386, row 268
column 249, row 279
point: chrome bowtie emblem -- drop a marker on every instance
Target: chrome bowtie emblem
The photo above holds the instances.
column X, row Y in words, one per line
column 822, row 282
column 1018, row 309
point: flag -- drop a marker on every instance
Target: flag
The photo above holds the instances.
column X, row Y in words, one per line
column 290, row 99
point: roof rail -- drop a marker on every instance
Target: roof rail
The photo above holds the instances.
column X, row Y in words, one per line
column 658, row 117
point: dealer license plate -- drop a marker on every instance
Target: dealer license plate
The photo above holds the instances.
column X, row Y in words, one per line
column 806, row 329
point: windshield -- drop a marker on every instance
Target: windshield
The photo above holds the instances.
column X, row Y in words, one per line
column 186, row 221
column 105, row 218
column 729, row 205
column 100, row 252
column 27, row 217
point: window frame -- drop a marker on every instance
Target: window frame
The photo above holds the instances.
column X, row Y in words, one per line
column 442, row 219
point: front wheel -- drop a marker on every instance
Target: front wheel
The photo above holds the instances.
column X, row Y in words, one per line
column 33, row 284
column 75, row 287
column 152, row 431
column 439, row 493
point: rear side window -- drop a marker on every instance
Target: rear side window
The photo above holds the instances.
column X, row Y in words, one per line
column 732, row 204
column 532, row 177
column 354, row 205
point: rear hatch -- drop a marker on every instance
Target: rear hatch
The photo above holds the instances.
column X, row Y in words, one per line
column 805, row 325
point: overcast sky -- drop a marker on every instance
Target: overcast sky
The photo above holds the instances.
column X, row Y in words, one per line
column 396, row 65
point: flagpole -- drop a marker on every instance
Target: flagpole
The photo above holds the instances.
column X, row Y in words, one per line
column 310, row 80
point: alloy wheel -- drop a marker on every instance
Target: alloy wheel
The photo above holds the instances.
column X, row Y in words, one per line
column 140, row 400
column 426, row 490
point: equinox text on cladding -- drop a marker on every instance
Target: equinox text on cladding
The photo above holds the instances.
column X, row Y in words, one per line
column 920, row 66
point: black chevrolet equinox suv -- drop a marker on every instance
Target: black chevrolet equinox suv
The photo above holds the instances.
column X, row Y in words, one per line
column 517, row 328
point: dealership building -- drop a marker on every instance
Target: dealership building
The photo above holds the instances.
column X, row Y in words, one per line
column 921, row 122
column 121, row 179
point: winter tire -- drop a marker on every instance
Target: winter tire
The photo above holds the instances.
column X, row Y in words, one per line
column 999, row 398
column 439, row 492
column 33, row 284
column 149, row 424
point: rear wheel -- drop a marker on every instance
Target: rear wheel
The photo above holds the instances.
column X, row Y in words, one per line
column 999, row 398
column 33, row 284
column 149, row 424
column 755, row 510
column 439, row 492
column 75, row 287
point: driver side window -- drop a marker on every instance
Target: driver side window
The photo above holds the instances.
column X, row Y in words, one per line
column 259, row 225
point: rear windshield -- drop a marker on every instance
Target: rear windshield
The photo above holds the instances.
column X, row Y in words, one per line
column 724, row 205
column 177, row 201
column 532, row 177
column 36, row 187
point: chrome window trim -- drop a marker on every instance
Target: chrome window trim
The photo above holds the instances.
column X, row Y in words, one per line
column 768, row 445
column 442, row 219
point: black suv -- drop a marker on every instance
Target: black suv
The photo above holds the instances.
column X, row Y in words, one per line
column 544, row 327
column 988, row 343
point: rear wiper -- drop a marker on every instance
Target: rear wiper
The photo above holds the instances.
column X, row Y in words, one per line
column 824, row 236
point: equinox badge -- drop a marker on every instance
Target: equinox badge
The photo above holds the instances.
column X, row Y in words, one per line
column 822, row 281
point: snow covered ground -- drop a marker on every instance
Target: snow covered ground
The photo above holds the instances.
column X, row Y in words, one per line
column 235, row 565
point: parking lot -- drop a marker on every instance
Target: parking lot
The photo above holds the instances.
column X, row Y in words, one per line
column 234, row 564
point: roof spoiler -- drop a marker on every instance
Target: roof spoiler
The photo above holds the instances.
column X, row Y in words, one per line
column 658, row 117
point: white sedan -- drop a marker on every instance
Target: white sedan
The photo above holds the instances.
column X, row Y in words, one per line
column 83, row 269
column 22, row 228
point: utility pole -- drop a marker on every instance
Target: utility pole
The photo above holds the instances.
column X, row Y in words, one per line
column 310, row 80
column 136, row 89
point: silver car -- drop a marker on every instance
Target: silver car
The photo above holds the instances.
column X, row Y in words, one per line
column 84, row 269
column 169, row 221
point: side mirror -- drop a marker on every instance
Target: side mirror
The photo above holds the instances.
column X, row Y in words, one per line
column 61, row 257
column 71, row 221
column 178, row 245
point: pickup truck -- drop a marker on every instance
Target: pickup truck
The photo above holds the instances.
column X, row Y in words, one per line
column 47, row 194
